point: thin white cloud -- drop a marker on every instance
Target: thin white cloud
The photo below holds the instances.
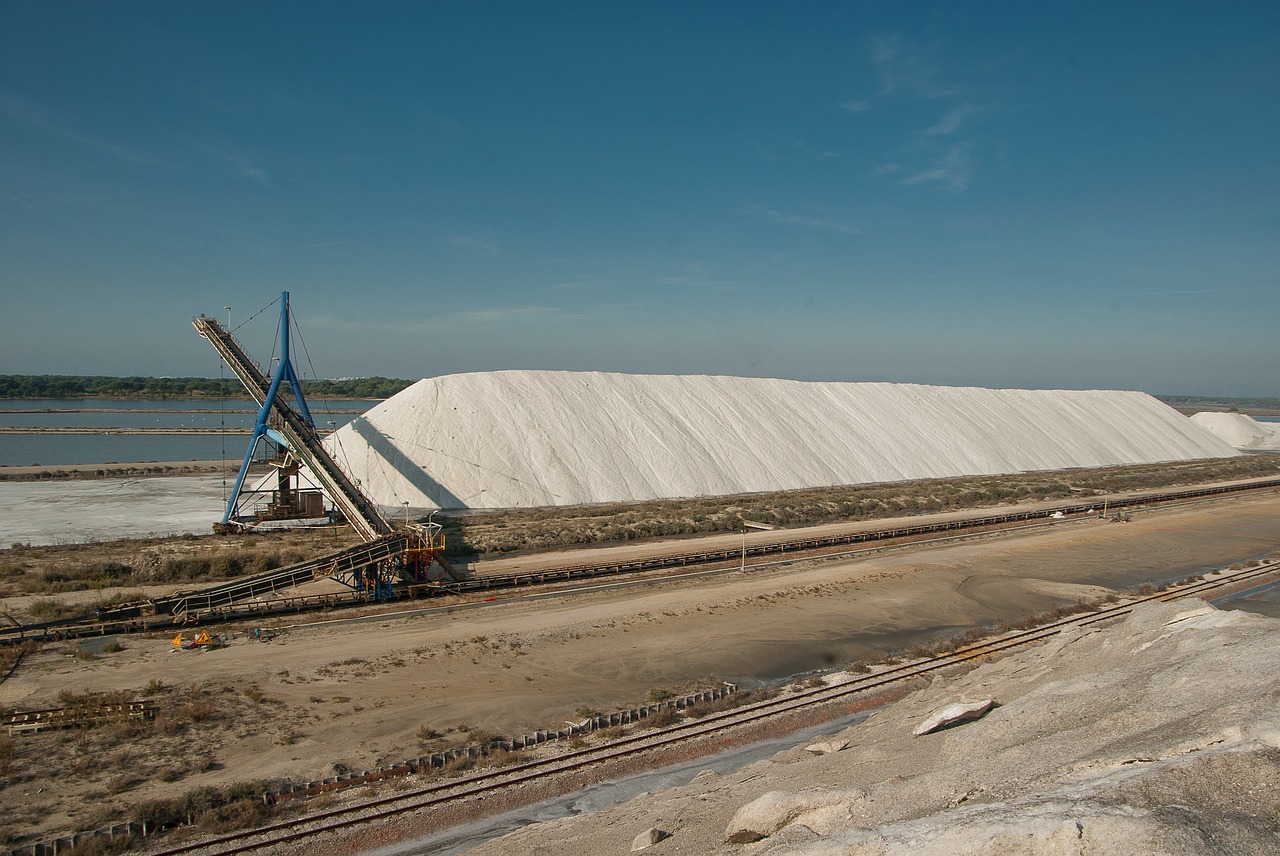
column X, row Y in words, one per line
column 805, row 221
column 795, row 149
column 696, row 282
column 590, row 284
column 482, row 318
column 856, row 105
column 472, row 242
column 23, row 113
column 237, row 165
column 498, row 315
column 904, row 70
column 952, row 171
column 939, row 155
column 20, row 200
column 1257, row 289
column 952, row 120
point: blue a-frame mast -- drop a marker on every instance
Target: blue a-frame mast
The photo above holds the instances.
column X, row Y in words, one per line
column 284, row 372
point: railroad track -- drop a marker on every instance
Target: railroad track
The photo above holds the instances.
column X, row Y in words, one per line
column 833, row 542
column 679, row 735
column 217, row 605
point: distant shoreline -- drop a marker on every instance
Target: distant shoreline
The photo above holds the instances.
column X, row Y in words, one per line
column 214, row 398
column 134, row 469
column 156, row 432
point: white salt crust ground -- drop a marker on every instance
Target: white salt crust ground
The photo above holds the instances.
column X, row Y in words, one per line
column 1240, row 431
column 1157, row 735
column 72, row 512
column 535, row 438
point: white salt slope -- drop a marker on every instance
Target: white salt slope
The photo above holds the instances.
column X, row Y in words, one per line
column 534, row 438
column 1240, row 430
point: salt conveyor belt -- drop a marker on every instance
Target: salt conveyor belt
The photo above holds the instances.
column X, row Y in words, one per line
column 533, row 438
column 1240, row 431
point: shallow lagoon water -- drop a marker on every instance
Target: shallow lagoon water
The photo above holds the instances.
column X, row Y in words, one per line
column 55, row 450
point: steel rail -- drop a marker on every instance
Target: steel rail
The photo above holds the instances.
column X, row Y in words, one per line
column 220, row 602
column 713, row 724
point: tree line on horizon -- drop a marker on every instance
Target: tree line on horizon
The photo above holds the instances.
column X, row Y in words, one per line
column 1218, row 401
column 96, row 386
column 93, row 386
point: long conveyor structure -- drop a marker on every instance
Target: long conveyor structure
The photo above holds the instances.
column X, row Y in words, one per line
column 387, row 556
column 296, row 427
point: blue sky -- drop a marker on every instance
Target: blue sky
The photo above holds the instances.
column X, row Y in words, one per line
column 996, row 194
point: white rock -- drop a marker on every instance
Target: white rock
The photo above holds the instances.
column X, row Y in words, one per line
column 827, row 747
column 820, row 811
column 953, row 713
column 648, row 838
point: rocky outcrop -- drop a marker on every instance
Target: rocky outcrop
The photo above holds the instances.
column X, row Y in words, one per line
column 954, row 714
column 820, row 811
column 826, row 747
column 648, row 838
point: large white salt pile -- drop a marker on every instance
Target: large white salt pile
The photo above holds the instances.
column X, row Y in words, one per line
column 533, row 438
column 1240, row 430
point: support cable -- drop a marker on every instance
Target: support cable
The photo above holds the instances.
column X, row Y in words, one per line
column 255, row 315
column 377, row 459
column 222, row 424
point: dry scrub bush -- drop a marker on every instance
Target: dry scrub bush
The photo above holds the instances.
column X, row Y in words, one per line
column 189, row 706
column 189, row 558
column 10, row 654
column 663, row 718
column 501, row 757
column 458, row 765
column 71, row 698
column 100, row 846
column 544, row 528
column 235, row 806
column 484, row 738
column 47, row 609
column 8, row 751
column 729, row 702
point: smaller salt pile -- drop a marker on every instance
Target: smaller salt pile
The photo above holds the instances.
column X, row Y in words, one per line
column 1240, row 430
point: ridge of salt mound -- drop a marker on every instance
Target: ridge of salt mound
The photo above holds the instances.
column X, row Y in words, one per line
column 1240, row 430
column 521, row 438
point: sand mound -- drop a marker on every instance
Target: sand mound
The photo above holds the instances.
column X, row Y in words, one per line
column 535, row 438
column 1240, row 431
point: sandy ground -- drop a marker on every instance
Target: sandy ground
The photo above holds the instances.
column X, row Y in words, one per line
column 357, row 693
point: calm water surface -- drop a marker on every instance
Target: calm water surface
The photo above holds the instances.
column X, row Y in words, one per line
column 67, row 449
